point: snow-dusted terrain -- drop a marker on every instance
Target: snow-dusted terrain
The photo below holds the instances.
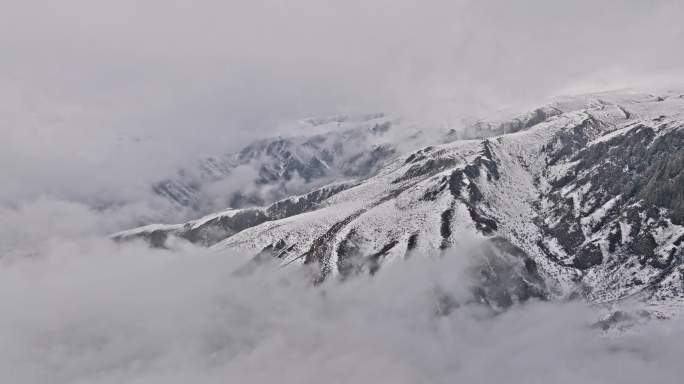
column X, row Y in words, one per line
column 583, row 197
column 316, row 151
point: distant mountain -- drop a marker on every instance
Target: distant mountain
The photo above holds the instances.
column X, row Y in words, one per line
column 340, row 147
column 580, row 198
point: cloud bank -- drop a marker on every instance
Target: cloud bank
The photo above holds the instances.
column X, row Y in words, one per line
column 89, row 311
column 102, row 98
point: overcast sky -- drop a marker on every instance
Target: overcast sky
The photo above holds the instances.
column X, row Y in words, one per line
column 102, row 97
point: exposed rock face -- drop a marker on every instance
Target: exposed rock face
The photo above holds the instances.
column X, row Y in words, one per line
column 583, row 197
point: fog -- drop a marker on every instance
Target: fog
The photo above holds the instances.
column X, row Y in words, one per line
column 79, row 308
column 87, row 310
column 99, row 99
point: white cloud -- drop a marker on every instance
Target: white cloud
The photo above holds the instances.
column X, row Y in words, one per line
column 92, row 311
column 102, row 97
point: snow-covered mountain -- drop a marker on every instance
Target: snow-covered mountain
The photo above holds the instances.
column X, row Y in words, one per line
column 319, row 151
column 316, row 151
column 580, row 198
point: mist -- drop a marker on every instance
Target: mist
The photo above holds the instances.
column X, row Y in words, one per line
column 102, row 98
column 93, row 311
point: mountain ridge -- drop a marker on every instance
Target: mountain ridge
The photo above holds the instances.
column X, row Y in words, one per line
column 585, row 195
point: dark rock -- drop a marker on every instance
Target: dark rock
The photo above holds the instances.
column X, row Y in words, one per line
column 588, row 256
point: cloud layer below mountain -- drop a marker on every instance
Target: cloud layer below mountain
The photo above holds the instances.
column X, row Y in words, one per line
column 86, row 310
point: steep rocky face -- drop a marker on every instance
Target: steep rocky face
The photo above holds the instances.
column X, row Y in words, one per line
column 584, row 198
column 615, row 210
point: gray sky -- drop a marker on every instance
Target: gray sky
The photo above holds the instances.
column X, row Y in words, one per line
column 101, row 97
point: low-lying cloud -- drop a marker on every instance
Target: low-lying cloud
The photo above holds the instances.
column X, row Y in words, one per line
column 88, row 310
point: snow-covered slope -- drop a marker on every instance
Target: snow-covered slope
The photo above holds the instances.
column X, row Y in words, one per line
column 583, row 197
column 318, row 151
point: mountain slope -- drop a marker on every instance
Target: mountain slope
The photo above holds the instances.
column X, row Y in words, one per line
column 323, row 149
column 584, row 198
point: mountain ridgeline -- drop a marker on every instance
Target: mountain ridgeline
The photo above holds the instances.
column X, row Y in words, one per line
column 580, row 198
